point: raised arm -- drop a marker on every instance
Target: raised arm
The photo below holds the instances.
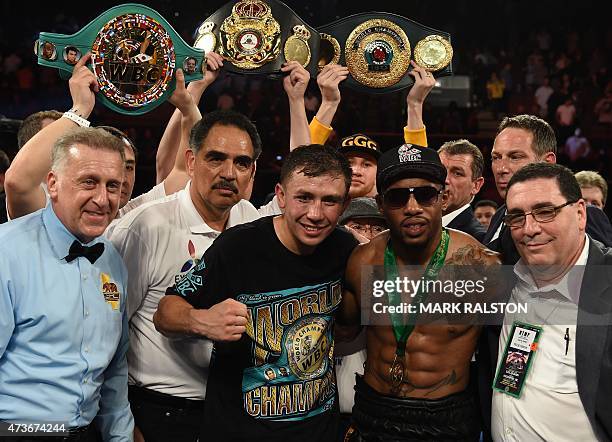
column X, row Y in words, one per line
column 424, row 81
column 328, row 80
column 28, row 170
column 175, row 141
column 295, row 84
column 169, row 153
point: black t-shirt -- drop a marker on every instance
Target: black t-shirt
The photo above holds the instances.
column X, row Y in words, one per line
column 277, row 382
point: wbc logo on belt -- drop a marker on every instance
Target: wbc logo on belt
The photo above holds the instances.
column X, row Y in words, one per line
column 134, row 60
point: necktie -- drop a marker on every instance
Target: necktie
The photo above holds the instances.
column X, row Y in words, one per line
column 92, row 253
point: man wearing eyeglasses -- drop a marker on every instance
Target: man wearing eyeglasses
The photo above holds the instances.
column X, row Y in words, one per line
column 522, row 140
column 563, row 390
column 416, row 378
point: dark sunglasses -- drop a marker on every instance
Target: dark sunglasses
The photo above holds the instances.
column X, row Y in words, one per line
column 399, row 197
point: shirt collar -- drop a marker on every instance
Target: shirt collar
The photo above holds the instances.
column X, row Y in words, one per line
column 194, row 219
column 59, row 236
column 449, row 217
column 569, row 286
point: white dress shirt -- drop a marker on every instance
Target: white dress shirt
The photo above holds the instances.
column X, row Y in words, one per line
column 549, row 408
column 161, row 241
column 449, row 217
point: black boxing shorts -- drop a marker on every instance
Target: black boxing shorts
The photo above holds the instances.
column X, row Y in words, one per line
column 380, row 418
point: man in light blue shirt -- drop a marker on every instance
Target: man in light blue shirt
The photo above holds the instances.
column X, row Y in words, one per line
column 63, row 325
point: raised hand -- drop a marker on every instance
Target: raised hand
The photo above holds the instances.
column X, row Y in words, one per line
column 329, row 79
column 296, row 82
column 83, row 85
column 424, row 82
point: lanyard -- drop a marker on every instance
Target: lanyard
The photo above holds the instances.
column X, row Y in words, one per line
column 402, row 330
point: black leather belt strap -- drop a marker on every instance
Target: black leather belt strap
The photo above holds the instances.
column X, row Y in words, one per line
column 342, row 29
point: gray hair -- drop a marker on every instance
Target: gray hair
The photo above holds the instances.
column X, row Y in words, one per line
column 590, row 178
column 88, row 136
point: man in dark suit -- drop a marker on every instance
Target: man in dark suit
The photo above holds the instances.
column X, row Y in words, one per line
column 464, row 164
column 521, row 140
column 562, row 272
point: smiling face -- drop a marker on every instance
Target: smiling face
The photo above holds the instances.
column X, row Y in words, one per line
column 311, row 207
column 221, row 169
column 85, row 192
column 413, row 224
column 363, row 167
column 460, row 185
column 554, row 243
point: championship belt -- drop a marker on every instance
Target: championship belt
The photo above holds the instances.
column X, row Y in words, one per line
column 258, row 36
column 135, row 53
column 377, row 48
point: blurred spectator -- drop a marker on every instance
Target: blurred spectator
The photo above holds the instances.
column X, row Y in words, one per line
column 542, row 94
column 495, row 92
column 577, row 147
column 452, row 121
column 225, row 101
column 484, row 211
column 566, row 118
column 603, row 108
column 594, row 188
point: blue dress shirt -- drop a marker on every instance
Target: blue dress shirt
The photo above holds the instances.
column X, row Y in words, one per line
column 63, row 330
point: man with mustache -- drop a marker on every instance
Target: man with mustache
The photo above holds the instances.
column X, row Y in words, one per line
column 415, row 380
column 162, row 241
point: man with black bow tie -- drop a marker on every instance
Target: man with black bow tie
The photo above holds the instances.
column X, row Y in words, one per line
column 63, row 327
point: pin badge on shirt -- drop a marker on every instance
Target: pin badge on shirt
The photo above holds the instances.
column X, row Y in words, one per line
column 110, row 291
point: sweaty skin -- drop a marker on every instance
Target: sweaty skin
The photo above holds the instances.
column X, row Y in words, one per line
column 437, row 357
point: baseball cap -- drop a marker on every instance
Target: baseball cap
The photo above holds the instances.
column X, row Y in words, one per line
column 362, row 207
column 360, row 143
column 409, row 161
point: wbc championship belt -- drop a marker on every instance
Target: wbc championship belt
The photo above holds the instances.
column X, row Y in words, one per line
column 135, row 53
column 377, row 48
column 258, row 36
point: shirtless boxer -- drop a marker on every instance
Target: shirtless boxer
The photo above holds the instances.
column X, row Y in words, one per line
column 415, row 379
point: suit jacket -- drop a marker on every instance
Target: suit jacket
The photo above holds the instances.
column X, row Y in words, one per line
column 593, row 347
column 598, row 227
column 467, row 223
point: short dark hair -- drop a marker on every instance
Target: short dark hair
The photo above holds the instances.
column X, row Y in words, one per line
column 122, row 136
column 33, row 124
column 486, row 203
column 464, row 147
column 200, row 130
column 5, row 163
column 544, row 139
column 315, row 160
column 567, row 182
